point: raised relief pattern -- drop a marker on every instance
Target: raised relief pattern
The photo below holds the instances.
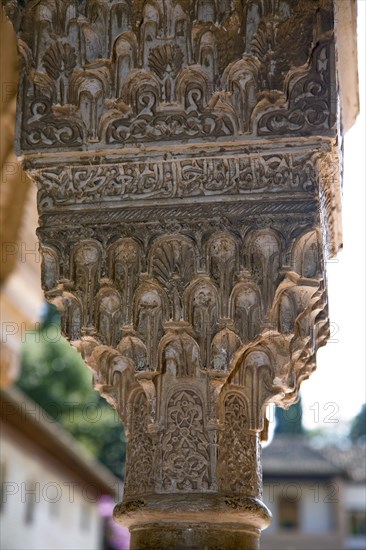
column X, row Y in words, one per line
column 119, row 72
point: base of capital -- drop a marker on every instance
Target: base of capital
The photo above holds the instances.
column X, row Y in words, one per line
column 193, row 537
column 193, row 521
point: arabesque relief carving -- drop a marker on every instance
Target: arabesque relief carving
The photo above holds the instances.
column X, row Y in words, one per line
column 186, row 178
column 186, row 160
column 194, row 324
column 119, row 72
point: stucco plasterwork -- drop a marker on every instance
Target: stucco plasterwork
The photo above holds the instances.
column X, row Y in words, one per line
column 186, row 160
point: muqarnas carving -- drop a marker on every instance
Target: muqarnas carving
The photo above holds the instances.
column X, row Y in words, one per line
column 129, row 72
column 194, row 344
column 188, row 190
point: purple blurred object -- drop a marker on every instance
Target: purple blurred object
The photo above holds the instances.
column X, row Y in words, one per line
column 118, row 537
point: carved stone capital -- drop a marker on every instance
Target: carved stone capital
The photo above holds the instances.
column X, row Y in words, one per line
column 188, row 189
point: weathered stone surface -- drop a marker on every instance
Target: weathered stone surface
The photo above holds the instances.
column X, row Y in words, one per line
column 186, row 160
column 117, row 73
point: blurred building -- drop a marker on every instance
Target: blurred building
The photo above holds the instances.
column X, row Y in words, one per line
column 352, row 460
column 51, row 488
column 316, row 498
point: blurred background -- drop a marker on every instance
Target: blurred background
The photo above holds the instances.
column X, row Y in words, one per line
column 62, row 446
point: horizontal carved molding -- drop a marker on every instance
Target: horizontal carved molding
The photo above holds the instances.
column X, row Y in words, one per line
column 187, row 178
column 216, row 214
column 283, row 184
column 239, row 147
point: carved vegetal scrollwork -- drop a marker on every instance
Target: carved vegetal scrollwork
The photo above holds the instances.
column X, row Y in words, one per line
column 186, row 178
column 49, row 127
column 185, row 459
column 140, row 456
column 181, row 71
column 311, row 99
column 238, row 455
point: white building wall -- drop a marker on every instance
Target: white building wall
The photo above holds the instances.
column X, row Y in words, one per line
column 318, row 507
column 355, row 496
column 316, row 502
column 57, row 526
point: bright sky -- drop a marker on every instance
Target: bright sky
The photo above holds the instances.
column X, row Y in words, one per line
column 338, row 387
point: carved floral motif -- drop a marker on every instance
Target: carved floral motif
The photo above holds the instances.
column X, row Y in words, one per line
column 158, row 71
column 140, row 457
column 185, row 249
column 185, row 444
column 238, row 456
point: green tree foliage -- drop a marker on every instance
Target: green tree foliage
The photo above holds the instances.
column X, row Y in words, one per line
column 289, row 422
column 54, row 375
column 358, row 426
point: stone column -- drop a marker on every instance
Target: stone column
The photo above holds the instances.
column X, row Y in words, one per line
column 185, row 155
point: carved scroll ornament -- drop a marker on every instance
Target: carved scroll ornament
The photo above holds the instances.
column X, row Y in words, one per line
column 111, row 73
column 188, row 188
